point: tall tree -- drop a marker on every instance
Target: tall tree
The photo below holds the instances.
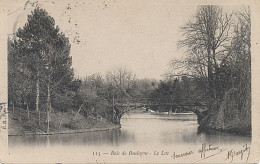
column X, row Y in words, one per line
column 14, row 75
column 206, row 38
column 238, row 66
column 32, row 39
column 19, row 83
column 46, row 52
column 57, row 65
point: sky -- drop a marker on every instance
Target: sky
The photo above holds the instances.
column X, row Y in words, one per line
column 105, row 34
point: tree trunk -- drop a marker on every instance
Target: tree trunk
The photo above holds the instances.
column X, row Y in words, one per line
column 78, row 110
column 113, row 113
column 60, row 121
column 38, row 97
column 20, row 115
column 96, row 117
column 48, row 107
column 39, row 116
column 37, row 94
column 210, row 75
column 215, row 78
column 28, row 112
column 13, row 105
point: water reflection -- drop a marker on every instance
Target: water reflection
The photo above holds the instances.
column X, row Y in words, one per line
column 138, row 129
column 109, row 138
column 221, row 137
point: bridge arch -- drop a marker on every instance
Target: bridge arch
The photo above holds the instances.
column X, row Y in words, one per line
column 196, row 107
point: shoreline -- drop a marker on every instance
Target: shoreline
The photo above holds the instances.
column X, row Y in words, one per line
column 234, row 131
column 61, row 123
column 69, row 131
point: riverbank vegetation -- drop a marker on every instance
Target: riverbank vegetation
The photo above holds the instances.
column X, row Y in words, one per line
column 218, row 54
column 60, row 123
column 45, row 96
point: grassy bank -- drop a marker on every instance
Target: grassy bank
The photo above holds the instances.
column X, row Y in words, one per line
column 20, row 124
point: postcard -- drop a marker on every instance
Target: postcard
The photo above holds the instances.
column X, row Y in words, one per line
column 132, row 81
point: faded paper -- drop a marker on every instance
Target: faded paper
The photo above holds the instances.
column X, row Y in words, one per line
column 118, row 17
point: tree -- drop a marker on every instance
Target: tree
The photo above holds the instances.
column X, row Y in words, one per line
column 206, row 38
column 31, row 43
column 238, row 62
column 94, row 95
column 224, row 59
column 14, row 75
column 57, row 65
column 122, row 80
column 46, row 53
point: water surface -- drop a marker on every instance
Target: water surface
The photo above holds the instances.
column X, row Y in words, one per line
column 139, row 131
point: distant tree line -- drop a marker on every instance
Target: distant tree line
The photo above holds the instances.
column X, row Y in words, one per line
column 177, row 91
column 105, row 96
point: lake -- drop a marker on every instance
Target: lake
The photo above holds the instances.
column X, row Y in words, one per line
column 139, row 132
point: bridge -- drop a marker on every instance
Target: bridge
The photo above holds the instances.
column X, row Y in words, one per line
column 155, row 103
column 197, row 106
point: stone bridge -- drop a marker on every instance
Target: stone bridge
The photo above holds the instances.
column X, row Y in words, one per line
column 197, row 106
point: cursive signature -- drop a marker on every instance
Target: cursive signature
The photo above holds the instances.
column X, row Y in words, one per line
column 232, row 153
column 207, row 151
column 207, row 148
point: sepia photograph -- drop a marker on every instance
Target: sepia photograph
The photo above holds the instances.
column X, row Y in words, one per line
column 138, row 81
